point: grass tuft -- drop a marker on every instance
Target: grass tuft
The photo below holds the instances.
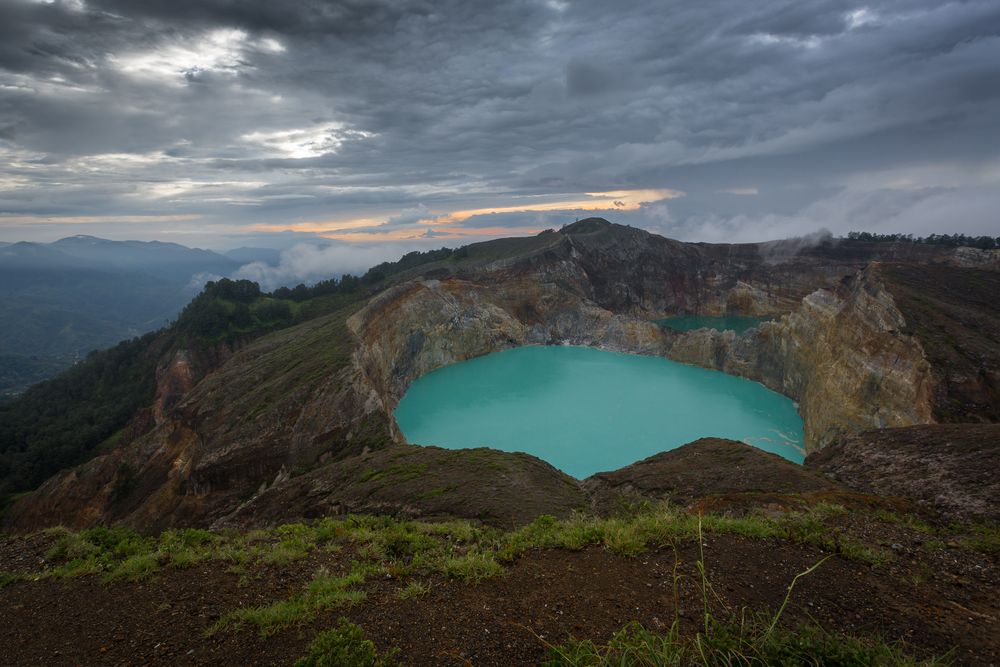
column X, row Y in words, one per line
column 323, row 592
column 985, row 538
column 345, row 646
column 135, row 568
column 413, row 590
column 472, row 567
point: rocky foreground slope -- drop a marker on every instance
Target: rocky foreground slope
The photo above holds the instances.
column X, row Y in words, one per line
column 281, row 426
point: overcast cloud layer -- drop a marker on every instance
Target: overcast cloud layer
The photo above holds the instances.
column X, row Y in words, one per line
column 407, row 123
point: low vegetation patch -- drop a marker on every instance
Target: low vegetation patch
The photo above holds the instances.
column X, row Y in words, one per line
column 457, row 549
column 345, row 646
column 746, row 642
column 119, row 553
column 323, row 592
column 398, row 473
column 744, row 639
column 405, row 557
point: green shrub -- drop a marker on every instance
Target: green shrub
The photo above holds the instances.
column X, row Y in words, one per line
column 344, row 646
column 402, row 543
column 187, row 537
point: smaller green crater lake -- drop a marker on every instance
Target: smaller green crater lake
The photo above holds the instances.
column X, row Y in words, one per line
column 586, row 410
column 737, row 323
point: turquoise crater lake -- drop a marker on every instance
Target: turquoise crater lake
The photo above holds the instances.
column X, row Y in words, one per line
column 586, row 410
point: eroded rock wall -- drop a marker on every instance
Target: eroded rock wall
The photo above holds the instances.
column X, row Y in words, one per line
column 843, row 356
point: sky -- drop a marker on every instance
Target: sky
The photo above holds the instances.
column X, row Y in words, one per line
column 380, row 126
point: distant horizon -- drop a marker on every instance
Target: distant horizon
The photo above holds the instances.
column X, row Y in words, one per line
column 287, row 243
column 311, row 260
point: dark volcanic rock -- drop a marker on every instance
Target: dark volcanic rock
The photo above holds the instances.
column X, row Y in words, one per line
column 954, row 469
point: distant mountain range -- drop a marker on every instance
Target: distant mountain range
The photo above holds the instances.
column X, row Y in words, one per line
column 60, row 300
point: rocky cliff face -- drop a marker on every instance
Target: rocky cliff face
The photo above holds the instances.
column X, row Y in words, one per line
column 897, row 345
column 600, row 284
column 424, row 325
column 843, row 355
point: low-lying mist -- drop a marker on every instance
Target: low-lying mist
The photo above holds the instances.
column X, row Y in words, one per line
column 310, row 263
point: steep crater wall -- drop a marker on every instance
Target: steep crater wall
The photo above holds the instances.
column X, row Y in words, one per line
column 845, row 354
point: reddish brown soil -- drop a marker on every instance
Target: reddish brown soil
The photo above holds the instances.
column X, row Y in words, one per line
column 935, row 599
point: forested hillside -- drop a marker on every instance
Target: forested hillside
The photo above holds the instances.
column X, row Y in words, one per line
column 59, row 301
column 65, row 421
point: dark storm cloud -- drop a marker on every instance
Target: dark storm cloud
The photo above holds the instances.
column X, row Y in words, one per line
column 392, row 112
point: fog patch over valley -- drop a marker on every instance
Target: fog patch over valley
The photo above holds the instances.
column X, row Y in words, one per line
column 308, row 263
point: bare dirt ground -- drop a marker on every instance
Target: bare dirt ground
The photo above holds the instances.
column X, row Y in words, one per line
column 934, row 595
